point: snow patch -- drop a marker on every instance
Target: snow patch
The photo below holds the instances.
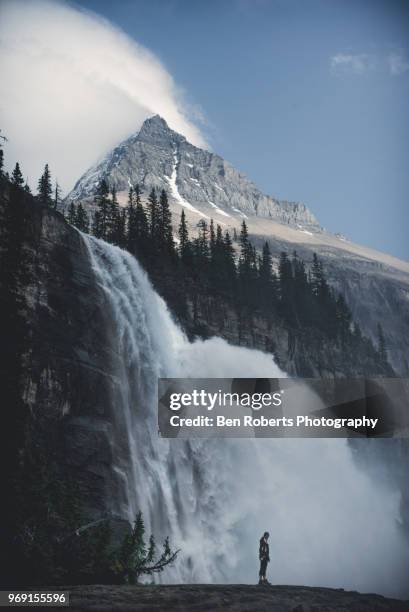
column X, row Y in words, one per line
column 175, row 191
column 240, row 212
column 218, row 210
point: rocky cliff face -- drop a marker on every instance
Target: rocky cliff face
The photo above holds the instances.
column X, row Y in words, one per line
column 69, row 373
column 157, row 157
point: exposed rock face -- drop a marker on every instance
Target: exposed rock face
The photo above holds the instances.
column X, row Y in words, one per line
column 161, row 158
column 229, row 598
column 70, row 374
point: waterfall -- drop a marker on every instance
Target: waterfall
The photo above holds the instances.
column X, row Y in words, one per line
column 329, row 523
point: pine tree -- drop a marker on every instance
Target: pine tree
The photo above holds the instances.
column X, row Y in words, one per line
column 301, row 292
column 319, row 284
column 113, row 232
column 44, row 188
column 133, row 558
column 81, row 219
column 101, row 220
column 141, row 225
column 266, row 279
column 184, row 243
column 153, row 215
column 72, row 214
column 285, row 276
column 343, row 317
column 17, row 177
column 165, row 232
column 212, row 240
column 57, row 195
column 27, row 187
column 202, row 241
column 3, row 139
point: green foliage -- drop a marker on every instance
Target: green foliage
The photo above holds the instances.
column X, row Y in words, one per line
column 132, row 559
column 78, row 216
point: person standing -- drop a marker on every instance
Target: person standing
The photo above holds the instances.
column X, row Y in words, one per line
column 264, row 556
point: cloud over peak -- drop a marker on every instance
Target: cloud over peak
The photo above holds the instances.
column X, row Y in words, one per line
column 73, row 85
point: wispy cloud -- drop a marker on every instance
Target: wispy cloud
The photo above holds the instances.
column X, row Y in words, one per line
column 73, row 85
column 398, row 64
column 394, row 63
column 349, row 63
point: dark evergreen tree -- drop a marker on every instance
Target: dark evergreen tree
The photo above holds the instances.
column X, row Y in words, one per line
column 3, row 139
column 72, row 214
column 81, row 219
column 57, row 195
column 165, row 232
column 185, row 250
column 343, row 317
column 266, row 284
column 101, row 215
column 17, row 177
column 153, row 216
column 131, row 238
column 45, row 189
column 212, row 240
column 141, row 221
column 113, row 232
column 122, row 228
column 202, row 249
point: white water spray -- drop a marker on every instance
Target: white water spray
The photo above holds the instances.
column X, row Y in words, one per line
column 330, row 525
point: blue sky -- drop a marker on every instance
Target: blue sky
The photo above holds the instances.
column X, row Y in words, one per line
column 309, row 98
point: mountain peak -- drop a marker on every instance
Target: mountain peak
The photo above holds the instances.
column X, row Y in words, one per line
column 155, row 120
column 159, row 158
column 155, row 130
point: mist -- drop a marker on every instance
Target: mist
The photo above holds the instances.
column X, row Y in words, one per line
column 73, row 86
column 331, row 524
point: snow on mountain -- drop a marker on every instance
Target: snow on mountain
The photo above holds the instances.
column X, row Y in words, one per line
column 198, row 180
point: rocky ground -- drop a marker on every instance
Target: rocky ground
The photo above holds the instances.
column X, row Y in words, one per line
column 229, row 598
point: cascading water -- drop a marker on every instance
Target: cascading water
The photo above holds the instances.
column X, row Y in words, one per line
column 330, row 524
